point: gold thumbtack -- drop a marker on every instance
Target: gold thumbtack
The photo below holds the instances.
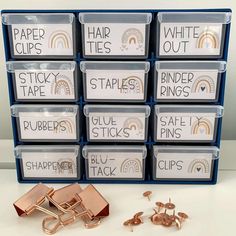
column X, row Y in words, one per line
column 178, row 223
column 183, row 216
column 169, row 205
column 166, row 221
column 156, row 218
column 159, row 205
column 137, row 218
column 147, row 194
column 175, row 219
column 129, row 224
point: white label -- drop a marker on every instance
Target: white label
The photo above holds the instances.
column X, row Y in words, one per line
column 185, row 84
column 114, row 39
column 44, row 84
column 42, row 39
column 183, row 165
column 49, row 164
column 115, row 84
column 115, row 165
column 190, row 39
column 117, row 126
column 34, row 125
column 185, row 126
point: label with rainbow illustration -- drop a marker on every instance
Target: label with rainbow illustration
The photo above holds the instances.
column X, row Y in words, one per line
column 184, row 39
column 44, row 84
column 190, row 165
column 104, row 39
column 187, row 85
column 53, row 126
column 42, row 39
column 116, row 126
column 185, row 126
column 115, row 165
column 115, row 84
column 46, row 164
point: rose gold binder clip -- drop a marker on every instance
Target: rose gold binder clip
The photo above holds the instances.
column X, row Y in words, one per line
column 33, row 200
column 87, row 204
column 72, row 203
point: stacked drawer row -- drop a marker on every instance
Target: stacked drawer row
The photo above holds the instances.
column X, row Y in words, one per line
column 152, row 113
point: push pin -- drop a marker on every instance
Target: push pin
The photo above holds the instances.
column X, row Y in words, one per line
column 129, row 224
column 166, row 221
column 159, row 205
column 178, row 223
column 136, row 220
column 148, row 195
column 156, row 218
column 164, row 214
column 169, row 205
column 183, row 216
column 175, row 219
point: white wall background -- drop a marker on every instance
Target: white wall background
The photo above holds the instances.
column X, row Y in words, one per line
column 229, row 121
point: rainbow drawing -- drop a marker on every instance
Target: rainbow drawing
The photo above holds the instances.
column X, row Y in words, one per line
column 132, row 84
column 62, row 86
column 199, row 166
column 208, row 39
column 133, row 123
column 59, row 39
column 64, row 126
column 132, row 36
column 202, row 126
column 65, row 165
column 131, row 166
column 202, row 84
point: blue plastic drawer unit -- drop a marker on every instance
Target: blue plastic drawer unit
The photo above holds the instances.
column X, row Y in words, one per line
column 115, row 35
column 117, row 123
column 117, row 81
column 184, row 163
column 117, row 96
column 191, row 34
column 49, row 162
column 44, row 81
column 115, row 162
column 41, row 35
column 186, row 123
column 188, row 81
column 52, row 123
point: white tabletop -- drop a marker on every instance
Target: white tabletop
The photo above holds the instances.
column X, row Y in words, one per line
column 211, row 207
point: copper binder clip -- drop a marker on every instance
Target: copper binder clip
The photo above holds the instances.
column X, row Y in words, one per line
column 32, row 200
column 64, row 198
column 71, row 201
column 93, row 207
column 87, row 204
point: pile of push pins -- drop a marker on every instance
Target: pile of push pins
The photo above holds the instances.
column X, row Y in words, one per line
column 164, row 214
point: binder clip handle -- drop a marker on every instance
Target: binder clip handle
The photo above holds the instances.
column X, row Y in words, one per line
column 51, row 224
